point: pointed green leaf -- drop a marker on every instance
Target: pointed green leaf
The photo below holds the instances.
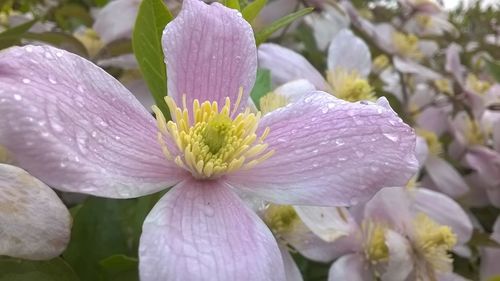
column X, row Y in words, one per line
column 233, row 4
column 253, row 9
column 262, row 35
column 261, row 87
column 120, row 268
column 152, row 18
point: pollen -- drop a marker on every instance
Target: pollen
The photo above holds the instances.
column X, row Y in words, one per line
column 281, row 219
column 209, row 142
column 434, row 241
column 350, row 86
column 473, row 133
column 376, row 249
column 380, row 63
column 477, row 85
column 407, row 45
column 272, row 101
column 432, row 140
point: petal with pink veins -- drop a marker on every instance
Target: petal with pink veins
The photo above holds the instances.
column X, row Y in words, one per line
column 210, row 53
column 75, row 127
column 330, row 152
column 201, row 230
column 34, row 223
column 287, row 65
column 350, row 53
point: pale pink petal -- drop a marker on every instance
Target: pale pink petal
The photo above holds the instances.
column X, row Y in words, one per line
column 453, row 64
column 287, row 65
column 127, row 61
column 201, row 230
column 141, row 92
column 422, row 151
column 273, row 11
column 349, row 52
column 330, row 152
column 116, row 20
column 450, row 276
column 391, row 205
column 329, row 223
column 445, row 177
column 291, row 269
column 400, row 262
column 486, row 162
column 445, row 211
column 489, row 263
column 311, row 246
column 34, row 223
column 75, row 127
column 295, row 90
column 326, row 23
column 411, row 67
column 210, row 53
column 350, row 267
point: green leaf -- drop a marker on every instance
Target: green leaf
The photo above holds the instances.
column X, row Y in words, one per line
column 482, row 239
column 233, row 4
column 262, row 35
column 494, row 69
column 22, row 270
column 103, row 228
column 152, row 18
column 253, row 9
column 120, row 268
column 12, row 36
column 261, row 87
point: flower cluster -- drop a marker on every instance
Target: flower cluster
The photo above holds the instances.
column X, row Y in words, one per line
column 360, row 142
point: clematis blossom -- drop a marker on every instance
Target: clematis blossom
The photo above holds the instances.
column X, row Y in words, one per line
column 34, row 223
column 399, row 234
column 78, row 129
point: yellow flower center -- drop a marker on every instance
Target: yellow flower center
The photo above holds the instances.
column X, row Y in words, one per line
column 272, row 101
column 473, row 132
column 477, row 85
column 91, row 40
column 407, row 45
column 424, row 21
column 380, row 63
column 281, row 218
column 434, row 241
column 349, row 85
column 432, row 140
column 209, row 142
column 376, row 249
column 444, row 86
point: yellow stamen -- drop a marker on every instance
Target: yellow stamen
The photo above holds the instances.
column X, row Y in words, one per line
column 349, row 85
column 380, row 63
column 433, row 143
column 209, row 142
column 376, row 249
column 407, row 45
column 272, row 101
column 433, row 242
column 444, row 86
column 477, row 85
column 281, row 218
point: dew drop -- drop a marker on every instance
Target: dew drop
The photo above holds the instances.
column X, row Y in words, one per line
column 17, row 97
column 57, row 127
column 52, row 80
column 392, row 137
column 339, row 142
column 26, row 81
column 29, row 49
column 59, row 54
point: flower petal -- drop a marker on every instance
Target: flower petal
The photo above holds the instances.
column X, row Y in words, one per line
column 287, row 65
column 349, row 52
column 489, row 263
column 350, row 267
column 295, row 90
column 210, row 53
column 330, row 152
column 445, row 177
column 329, row 223
column 200, row 230
column 34, row 223
column 75, row 127
column 116, row 20
column 400, row 262
column 445, row 211
column 291, row 269
column 391, row 206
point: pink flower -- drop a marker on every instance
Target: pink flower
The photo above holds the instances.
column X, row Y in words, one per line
column 78, row 129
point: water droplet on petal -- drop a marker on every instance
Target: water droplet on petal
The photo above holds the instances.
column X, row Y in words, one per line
column 26, row 81
column 17, row 97
column 392, row 137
